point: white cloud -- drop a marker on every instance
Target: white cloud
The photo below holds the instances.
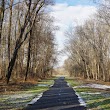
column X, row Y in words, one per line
column 66, row 15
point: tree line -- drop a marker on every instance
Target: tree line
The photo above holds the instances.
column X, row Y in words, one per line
column 27, row 42
column 88, row 46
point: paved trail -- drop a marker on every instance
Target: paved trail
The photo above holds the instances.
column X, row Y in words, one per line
column 59, row 97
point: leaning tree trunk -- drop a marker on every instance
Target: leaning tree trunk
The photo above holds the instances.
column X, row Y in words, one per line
column 11, row 63
column 13, row 59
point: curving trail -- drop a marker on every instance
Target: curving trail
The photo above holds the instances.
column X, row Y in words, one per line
column 59, row 97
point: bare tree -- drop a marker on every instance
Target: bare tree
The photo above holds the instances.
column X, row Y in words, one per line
column 32, row 11
column 88, row 47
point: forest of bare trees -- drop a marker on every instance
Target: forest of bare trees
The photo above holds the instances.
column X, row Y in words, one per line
column 88, row 46
column 27, row 43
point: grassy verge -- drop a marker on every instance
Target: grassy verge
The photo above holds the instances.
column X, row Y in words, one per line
column 19, row 99
column 96, row 99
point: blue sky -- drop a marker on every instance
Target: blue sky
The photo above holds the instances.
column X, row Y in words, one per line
column 69, row 13
column 76, row 2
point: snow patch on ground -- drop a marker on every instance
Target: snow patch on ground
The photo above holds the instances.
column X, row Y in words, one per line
column 15, row 96
column 68, row 84
column 97, row 86
column 51, row 85
column 81, row 101
column 43, row 85
column 39, row 96
column 82, row 86
column 90, row 93
column 35, row 99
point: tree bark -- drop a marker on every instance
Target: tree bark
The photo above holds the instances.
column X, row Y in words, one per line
column 11, row 63
column 9, row 31
column 28, row 60
column 2, row 10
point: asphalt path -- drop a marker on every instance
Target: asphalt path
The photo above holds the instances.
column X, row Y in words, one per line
column 59, row 97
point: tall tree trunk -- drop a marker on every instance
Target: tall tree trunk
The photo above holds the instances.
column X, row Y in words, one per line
column 28, row 60
column 2, row 10
column 9, row 31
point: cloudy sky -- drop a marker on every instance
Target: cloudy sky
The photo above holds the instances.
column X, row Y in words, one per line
column 68, row 13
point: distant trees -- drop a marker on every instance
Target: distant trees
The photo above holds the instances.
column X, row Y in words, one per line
column 26, row 39
column 89, row 47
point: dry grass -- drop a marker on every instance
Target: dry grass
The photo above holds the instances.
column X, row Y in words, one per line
column 14, row 86
column 88, row 81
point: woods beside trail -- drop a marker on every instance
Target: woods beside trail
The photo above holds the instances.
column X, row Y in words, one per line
column 31, row 44
column 28, row 48
column 88, row 46
column 27, row 42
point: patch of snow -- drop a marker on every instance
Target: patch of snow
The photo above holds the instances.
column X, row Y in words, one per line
column 35, row 99
column 97, row 86
column 68, row 84
column 81, row 101
column 90, row 93
column 43, row 85
column 15, row 96
column 51, row 85
column 82, row 86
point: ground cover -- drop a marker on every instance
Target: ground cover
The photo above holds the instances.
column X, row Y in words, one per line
column 19, row 98
column 95, row 97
